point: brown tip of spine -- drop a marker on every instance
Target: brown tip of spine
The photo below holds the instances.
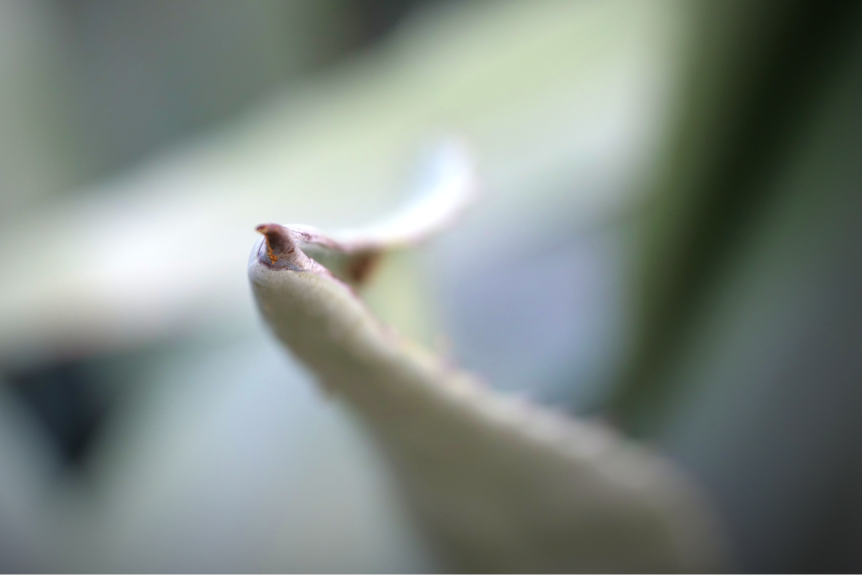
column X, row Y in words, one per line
column 279, row 244
column 362, row 266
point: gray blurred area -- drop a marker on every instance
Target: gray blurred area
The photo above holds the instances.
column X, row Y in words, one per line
column 95, row 86
column 667, row 236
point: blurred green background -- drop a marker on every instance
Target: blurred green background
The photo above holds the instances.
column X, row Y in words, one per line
column 667, row 233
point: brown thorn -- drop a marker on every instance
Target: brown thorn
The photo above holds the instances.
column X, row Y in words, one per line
column 278, row 241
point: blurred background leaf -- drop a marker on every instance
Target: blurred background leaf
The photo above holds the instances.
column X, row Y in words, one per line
column 668, row 228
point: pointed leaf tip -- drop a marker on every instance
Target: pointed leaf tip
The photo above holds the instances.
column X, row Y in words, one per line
column 279, row 244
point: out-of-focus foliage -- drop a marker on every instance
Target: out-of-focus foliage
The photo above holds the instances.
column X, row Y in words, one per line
column 191, row 442
column 147, row 423
column 749, row 371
